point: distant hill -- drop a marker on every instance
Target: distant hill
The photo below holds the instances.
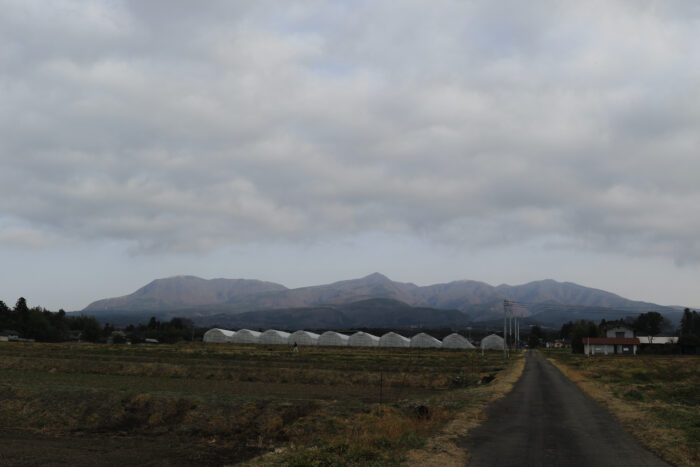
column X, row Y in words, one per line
column 372, row 313
column 546, row 302
column 566, row 293
column 182, row 292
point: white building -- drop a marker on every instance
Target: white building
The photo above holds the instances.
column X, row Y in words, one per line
column 456, row 341
column 218, row 335
column 492, row 342
column 619, row 332
column 245, row 336
column 303, row 338
column 332, row 338
column 363, row 339
column 610, row 345
column 424, row 341
column 274, row 337
column 391, row 339
column 658, row 340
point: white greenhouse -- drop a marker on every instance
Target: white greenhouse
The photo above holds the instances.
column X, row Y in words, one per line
column 273, row 336
column 218, row 335
column 391, row 339
column 333, row 338
column 363, row 339
column 303, row 338
column 246, row 336
column 423, row 340
column 456, row 341
column 492, row 342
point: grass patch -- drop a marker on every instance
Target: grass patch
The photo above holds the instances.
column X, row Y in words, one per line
column 319, row 406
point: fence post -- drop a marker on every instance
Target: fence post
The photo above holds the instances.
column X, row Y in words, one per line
column 381, row 385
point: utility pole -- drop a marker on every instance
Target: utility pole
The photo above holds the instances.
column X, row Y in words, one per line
column 510, row 328
column 506, row 314
column 505, row 329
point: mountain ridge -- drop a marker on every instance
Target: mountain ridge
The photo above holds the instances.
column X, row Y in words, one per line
column 198, row 298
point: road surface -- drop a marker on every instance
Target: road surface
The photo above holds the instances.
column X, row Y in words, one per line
column 546, row 420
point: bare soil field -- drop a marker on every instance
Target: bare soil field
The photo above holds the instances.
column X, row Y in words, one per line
column 218, row 404
column 657, row 398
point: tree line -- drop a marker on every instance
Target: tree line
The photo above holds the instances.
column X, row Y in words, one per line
column 647, row 324
column 43, row 325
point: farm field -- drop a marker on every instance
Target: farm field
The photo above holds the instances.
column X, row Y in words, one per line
column 657, row 398
column 216, row 404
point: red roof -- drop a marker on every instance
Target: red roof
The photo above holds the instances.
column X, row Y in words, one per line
column 611, row 340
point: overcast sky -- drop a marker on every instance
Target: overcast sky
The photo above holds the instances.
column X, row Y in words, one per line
column 304, row 142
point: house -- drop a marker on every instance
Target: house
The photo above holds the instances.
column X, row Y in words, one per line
column 618, row 339
column 619, row 332
column 610, row 345
column 9, row 335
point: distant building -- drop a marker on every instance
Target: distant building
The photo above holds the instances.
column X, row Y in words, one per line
column 9, row 335
column 332, row 338
column 456, row 341
column 619, row 332
column 392, row 339
column 660, row 340
column 75, row 335
column 492, row 342
column 245, row 336
column 303, row 338
column 217, row 335
column 273, row 336
column 610, row 345
column 556, row 344
column 363, row 339
column 423, row 340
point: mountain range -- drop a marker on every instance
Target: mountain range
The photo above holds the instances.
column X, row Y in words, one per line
column 353, row 303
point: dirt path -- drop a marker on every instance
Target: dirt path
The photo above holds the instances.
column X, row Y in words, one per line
column 547, row 420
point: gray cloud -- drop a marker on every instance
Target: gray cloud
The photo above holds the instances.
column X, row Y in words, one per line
column 180, row 127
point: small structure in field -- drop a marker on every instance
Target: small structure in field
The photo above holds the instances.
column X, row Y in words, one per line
column 216, row 335
column 273, row 336
column 332, row 338
column 456, row 341
column 246, row 336
column 9, row 335
column 303, row 338
column 492, row 342
column 610, row 345
column 391, row 339
column 425, row 341
column 658, row 340
column 363, row 339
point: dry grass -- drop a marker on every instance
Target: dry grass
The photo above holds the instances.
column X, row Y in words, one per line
column 442, row 449
column 655, row 398
column 316, row 407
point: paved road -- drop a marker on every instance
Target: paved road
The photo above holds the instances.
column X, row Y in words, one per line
column 546, row 420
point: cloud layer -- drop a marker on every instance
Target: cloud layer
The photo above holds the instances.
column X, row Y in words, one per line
column 181, row 127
